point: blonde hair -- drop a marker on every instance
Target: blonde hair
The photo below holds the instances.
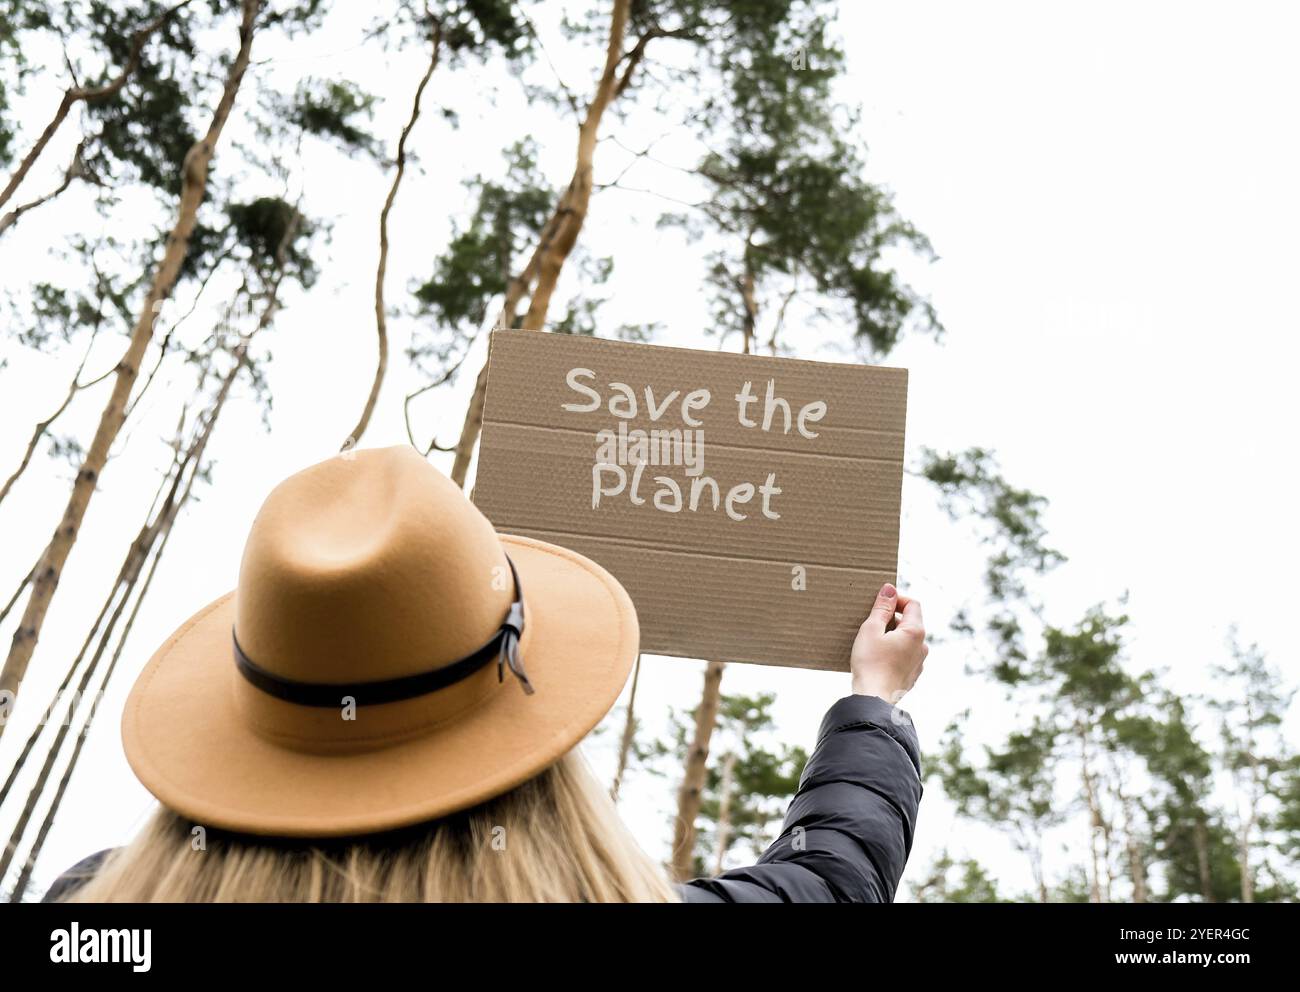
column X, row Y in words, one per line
column 556, row 838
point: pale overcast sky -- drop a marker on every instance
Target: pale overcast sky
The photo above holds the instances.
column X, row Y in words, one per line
column 1111, row 190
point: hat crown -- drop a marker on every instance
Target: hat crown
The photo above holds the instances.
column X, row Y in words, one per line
column 369, row 566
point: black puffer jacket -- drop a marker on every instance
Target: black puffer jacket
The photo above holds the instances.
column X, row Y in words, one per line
column 848, row 830
column 846, row 835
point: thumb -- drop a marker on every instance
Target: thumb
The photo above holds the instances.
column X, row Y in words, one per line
column 882, row 611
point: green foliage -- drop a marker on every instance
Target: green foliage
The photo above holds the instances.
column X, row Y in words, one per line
column 476, row 267
column 1145, row 787
column 51, row 315
column 262, row 226
column 469, row 29
column 7, row 134
column 477, row 25
column 291, row 16
column 1288, row 818
column 142, row 133
column 787, row 191
column 1073, row 888
column 1185, row 771
column 753, row 776
column 1251, row 706
column 67, row 449
column 478, row 261
column 970, row 484
column 18, row 19
column 788, row 217
column 1081, row 668
column 949, row 880
column 749, row 780
column 331, row 109
column 806, row 221
column 1013, row 789
column 580, row 313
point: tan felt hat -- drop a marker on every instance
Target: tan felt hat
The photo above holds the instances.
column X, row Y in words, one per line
column 386, row 658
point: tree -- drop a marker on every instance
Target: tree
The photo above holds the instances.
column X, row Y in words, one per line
column 793, row 217
column 749, row 784
column 266, row 235
column 970, row 884
column 718, row 39
column 1255, row 755
column 466, row 28
column 71, row 313
column 99, row 92
column 49, row 569
column 1013, row 790
column 748, row 780
column 475, row 268
column 695, row 764
column 1193, row 845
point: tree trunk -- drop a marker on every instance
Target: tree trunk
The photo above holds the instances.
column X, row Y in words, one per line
column 162, row 533
column 579, row 195
column 23, row 584
column 1243, row 856
column 155, row 533
column 724, row 811
column 697, row 761
column 629, row 733
column 1040, row 876
column 749, row 324
column 120, row 593
column 40, row 430
column 1201, row 841
column 1136, row 863
column 193, row 183
column 75, row 169
column 1094, row 817
column 1248, row 822
column 706, row 716
column 381, row 317
column 558, row 236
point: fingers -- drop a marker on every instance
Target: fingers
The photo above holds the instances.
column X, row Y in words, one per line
column 912, row 622
column 899, row 604
column 882, row 611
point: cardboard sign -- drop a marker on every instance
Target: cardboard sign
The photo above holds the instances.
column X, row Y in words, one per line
column 749, row 505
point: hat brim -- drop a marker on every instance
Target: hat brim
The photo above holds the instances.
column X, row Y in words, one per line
column 185, row 738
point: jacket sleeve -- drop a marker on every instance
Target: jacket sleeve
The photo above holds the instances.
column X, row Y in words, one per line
column 848, row 830
column 76, row 876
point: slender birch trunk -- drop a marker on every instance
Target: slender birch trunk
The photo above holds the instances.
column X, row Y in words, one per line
column 155, row 533
column 1137, row 867
column 42, row 427
column 697, row 761
column 193, row 184
column 724, row 811
column 113, row 607
column 75, row 170
column 1094, row 816
column 120, row 594
column 629, row 734
column 1201, row 840
column 156, row 546
column 381, row 316
column 1039, row 873
column 560, row 233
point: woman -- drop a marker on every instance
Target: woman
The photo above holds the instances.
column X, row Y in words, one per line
column 388, row 708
